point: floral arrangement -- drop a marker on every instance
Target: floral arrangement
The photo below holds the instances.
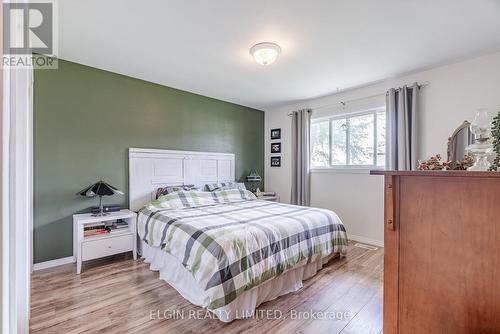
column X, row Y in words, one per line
column 435, row 163
column 466, row 162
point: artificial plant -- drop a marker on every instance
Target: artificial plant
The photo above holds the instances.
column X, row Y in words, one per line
column 495, row 133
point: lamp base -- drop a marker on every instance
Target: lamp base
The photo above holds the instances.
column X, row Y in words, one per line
column 100, row 214
column 481, row 153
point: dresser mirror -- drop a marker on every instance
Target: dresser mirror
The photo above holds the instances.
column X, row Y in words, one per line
column 458, row 142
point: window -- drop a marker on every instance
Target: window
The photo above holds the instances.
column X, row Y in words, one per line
column 354, row 140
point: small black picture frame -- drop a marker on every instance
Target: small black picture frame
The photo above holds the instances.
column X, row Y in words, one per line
column 275, row 147
column 275, row 161
column 275, row 133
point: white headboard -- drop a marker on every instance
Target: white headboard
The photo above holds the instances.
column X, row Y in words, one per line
column 150, row 169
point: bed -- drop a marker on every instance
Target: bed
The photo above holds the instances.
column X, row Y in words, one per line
column 225, row 250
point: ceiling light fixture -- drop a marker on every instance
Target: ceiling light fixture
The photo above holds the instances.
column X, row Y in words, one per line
column 265, row 53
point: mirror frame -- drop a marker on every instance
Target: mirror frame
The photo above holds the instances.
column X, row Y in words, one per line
column 462, row 126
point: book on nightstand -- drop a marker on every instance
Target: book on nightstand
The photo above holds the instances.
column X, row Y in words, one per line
column 103, row 228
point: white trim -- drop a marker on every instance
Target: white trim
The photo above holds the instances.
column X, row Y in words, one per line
column 140, row 152
column 343, row 170
column 53, row 263
column 16, row 207
column 4, row 199
column 347, row 114
column 365, row 240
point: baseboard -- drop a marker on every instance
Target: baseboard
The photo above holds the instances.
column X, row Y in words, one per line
column 365, row 240
column 52, row 263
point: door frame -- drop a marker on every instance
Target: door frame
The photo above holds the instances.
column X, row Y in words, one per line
column 16, row 204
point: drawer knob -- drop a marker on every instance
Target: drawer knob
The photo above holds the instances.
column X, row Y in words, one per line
column 390, row 224
column 109, row 246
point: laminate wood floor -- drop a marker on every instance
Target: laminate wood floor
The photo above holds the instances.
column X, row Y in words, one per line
column 120, row 295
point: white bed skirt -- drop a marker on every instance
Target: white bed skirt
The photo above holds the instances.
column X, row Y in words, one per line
column 173, row 272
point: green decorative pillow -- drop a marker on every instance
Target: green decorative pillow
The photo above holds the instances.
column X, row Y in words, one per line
column 225, row 186
column 194, row 198
column 170, row 189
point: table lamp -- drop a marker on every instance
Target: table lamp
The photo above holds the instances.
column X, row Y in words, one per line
column 100, row 189
column 253, row 178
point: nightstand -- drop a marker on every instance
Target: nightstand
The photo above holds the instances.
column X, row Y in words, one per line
column 100, row 245
column 274, row 198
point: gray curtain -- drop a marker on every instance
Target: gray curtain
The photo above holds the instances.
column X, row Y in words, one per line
column 301, row 194
column 402, row 130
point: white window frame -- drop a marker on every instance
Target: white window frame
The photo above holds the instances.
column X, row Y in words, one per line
column 347, row 168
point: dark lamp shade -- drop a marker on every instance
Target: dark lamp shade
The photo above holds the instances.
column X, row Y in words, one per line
column 100, row 188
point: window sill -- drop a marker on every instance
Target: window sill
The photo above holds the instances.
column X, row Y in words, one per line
column 344, row 170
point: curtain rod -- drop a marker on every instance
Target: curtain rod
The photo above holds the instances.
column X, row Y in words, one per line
column 344, row 102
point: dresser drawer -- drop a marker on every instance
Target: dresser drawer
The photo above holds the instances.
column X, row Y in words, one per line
column 107, row 246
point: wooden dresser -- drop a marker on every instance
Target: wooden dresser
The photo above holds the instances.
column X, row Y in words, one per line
column 442, row 252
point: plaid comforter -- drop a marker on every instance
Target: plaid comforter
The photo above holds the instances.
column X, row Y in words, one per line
column 232, row 242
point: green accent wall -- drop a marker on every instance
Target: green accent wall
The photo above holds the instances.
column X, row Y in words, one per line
column 84, row 121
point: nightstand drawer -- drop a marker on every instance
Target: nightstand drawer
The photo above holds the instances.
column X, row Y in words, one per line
column 108, row 246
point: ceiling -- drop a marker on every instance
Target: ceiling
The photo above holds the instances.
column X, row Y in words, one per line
column 328, row 45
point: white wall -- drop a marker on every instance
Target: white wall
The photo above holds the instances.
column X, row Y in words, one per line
column 454, row 92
